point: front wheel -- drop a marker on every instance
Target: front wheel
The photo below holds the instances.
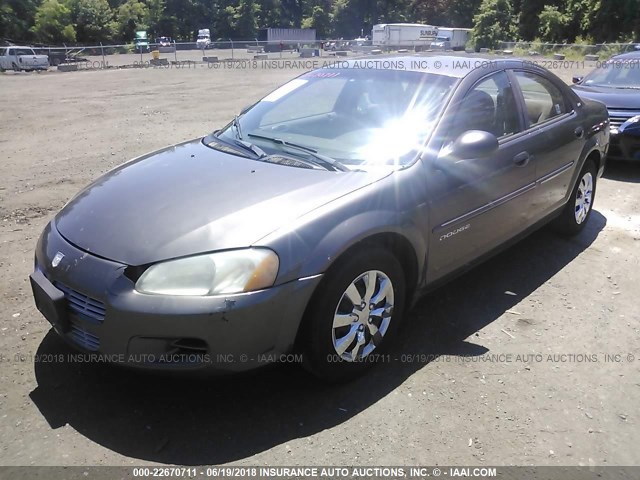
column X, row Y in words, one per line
column 354, row 315
column 578, row 209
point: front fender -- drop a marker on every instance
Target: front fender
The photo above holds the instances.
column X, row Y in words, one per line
column 355, row 230
column 394, row 206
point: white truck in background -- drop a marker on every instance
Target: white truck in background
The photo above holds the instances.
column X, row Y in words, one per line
column 393, row 36
column 451, row 38
column 204, row 38
column 21, row 58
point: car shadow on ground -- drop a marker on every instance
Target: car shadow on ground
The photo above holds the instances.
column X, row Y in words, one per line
column 194, row 421
column 622, row 171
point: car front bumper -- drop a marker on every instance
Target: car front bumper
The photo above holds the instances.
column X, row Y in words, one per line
column 94, row 306
column 625, row 146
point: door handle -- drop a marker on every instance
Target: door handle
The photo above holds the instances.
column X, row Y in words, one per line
column 579, row 132
column 522, row 159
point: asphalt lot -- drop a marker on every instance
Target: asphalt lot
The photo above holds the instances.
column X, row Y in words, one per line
column 533, row 358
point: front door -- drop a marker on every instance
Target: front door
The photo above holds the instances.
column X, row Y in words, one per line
column 478, row 203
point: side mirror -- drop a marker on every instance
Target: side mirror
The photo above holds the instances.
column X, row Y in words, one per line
column 576, row 79
column 474, row 144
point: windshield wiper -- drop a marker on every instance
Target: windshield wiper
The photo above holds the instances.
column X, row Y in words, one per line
column 256, row 151
column 244, row 144
column 251, row 147
column 322, row 160
column 236, row 124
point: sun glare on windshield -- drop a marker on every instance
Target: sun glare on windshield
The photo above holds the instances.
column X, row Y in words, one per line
column 363, row 118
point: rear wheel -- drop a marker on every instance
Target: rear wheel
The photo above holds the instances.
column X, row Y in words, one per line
column 354, row 315
column 577, row 211
column 15, row 67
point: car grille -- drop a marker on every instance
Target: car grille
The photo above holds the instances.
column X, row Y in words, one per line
column 81, row 304
column 619, row 116
column 82, row 337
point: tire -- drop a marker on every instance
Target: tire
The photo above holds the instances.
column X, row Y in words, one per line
column 577, row 211
column 335, row 352
column 15, row 67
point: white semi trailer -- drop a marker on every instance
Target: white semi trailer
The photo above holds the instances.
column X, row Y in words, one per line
column 392, row 36
column 275, row 39
column 451, row 38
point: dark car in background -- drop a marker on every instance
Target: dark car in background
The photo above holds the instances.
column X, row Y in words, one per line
column 616, row 83
column 312, row 220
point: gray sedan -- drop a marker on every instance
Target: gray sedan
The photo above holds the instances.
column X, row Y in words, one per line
column 308, row 225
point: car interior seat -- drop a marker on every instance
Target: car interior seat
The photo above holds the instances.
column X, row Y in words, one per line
column 479, row 113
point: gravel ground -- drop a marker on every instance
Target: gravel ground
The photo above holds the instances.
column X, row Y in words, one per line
column 533, row 358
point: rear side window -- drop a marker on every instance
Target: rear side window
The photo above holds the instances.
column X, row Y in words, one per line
column 542, row 99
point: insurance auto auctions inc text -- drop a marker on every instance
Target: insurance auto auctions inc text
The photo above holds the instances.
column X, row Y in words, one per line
column 353, row 472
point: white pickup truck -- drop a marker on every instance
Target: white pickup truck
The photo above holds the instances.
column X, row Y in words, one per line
column 22, row 58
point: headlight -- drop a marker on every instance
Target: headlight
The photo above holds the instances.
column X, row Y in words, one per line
column 234, row 271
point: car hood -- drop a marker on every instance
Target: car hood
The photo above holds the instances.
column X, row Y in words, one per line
column 189, row 199
column 612, row 97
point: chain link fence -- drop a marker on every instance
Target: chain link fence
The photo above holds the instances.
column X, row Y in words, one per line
column 601, row 51
column 132, row 55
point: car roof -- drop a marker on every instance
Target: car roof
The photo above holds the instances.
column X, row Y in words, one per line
column 446, row 65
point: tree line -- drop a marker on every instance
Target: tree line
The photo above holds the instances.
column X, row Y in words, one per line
column 108, row 21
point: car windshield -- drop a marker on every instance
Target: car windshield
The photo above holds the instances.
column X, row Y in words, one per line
column 357, row 117
column 616, row 74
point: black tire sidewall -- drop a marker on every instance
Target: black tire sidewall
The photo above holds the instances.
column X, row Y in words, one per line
column 319, row 353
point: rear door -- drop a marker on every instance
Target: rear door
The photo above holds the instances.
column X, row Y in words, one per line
column 479, row 203
column 559, row 137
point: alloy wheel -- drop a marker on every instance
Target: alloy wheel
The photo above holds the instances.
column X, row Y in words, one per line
column 363, row 315
column 584, row 196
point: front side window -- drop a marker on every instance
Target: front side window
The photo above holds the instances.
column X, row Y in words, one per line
column 489, row 106
column 542, row 99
